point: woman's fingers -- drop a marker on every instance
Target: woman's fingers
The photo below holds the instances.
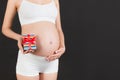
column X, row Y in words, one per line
column 53, row 57
column 61, row 50
column 56, row 55
column 28, row 51
column 31, row 51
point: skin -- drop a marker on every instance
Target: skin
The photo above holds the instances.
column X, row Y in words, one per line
column 50, row 37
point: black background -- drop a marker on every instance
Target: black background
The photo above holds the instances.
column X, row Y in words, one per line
column 92, row 31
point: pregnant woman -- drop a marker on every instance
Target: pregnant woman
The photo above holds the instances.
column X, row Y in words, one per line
column 41, row 17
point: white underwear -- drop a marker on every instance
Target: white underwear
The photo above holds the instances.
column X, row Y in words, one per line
column 31, row 65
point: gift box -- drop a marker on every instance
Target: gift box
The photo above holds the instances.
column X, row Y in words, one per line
column 29, row 42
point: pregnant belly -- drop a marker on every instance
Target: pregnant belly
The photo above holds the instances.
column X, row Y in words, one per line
column 47, row 38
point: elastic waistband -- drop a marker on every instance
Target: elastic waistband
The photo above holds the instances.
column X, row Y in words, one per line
column 26, row 21
column 32, row 55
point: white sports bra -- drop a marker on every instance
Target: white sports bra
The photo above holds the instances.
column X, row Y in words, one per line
column 30, row 12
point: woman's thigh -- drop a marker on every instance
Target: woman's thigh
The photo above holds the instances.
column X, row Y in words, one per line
column 48, row 76
column 21, row 77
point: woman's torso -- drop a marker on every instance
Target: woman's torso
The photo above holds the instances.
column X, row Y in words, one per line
column 40, row 19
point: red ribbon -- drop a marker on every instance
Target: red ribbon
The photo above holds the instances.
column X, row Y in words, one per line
column 27, row 39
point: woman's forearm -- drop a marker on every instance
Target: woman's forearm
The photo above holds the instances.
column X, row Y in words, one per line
column 9, row 33
column 62, row 39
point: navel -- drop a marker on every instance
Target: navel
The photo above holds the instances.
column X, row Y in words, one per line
column 51, row 42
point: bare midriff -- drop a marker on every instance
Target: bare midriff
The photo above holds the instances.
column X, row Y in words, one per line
column 47, row 37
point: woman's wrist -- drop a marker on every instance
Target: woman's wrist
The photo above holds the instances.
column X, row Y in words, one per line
column 19, row 37
column 62, row 46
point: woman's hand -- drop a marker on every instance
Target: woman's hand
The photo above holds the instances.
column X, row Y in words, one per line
column 56, row 55
column 21, row 47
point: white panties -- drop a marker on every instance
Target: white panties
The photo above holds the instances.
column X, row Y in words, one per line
column 31, row 65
